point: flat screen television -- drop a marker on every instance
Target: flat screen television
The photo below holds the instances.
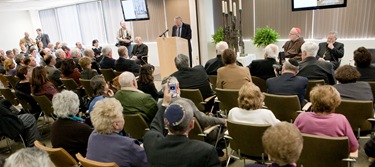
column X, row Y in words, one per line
column 298, row 5
column 134, row 10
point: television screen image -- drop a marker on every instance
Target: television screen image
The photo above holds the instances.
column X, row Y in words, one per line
column 298, row 5
column 134, row 10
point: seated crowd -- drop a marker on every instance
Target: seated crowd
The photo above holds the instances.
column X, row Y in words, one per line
column 100, row 134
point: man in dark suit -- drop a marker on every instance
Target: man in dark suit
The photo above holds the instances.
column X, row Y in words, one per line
column 331, row 50
column 263, row 68
column 176, row 148
column 182, row 30
column 42, row 37
column 139, row 50
column 52, row 72
column 107, row 61
column 213, row 64
column 124, row 64
column 312, row 68
column 288, row 83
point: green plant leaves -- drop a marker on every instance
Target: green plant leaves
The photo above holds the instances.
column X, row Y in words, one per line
column 219, row 35
column 265, row 36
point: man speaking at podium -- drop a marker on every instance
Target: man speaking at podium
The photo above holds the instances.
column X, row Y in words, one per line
column 182, row 30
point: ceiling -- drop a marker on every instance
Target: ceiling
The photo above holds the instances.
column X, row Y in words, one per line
column 17, row 5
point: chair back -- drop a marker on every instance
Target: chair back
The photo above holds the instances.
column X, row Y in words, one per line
column 108, row 74
column 195, row 96
column 25, row 100
column 323, row 151
column 357, row 112
column 45, row 104
column 284, row 107
column 69, row 84
column 311, row 84
column 247, row 138
column 4, row 81
column 228, row 98
column 213, row 79
column 144, row 60
column 135, row 126
column 90, row 163
column 194, row 134
column 12, row 80
column 54, row 81
column 261, row 83
column 88, row 89
column 372, row 85
column 59, row 156
column 9, row 95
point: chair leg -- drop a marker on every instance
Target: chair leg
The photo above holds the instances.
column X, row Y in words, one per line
column 23, row 141
column 230, row 156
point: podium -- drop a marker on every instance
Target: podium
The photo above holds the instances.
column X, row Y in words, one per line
column 168, row 49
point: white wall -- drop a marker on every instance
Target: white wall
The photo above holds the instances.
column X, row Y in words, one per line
column 13, row 26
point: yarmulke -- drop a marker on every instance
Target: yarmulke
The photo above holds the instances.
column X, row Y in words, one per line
column 174, row 114
column 293, row 62
column 298, row 30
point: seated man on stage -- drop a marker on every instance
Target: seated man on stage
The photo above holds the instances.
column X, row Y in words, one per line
column 292, row 48
column 331, row 50
column 139, row 50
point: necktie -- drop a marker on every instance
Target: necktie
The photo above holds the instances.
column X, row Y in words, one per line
column 178, row 31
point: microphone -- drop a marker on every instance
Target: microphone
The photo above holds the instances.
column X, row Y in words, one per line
column 163, row 34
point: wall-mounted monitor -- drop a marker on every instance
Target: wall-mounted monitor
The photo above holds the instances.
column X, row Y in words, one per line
column 134, row 10
column 298, row 5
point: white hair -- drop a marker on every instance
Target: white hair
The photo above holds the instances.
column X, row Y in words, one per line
column 59, row 52
column 126, row 79
column 106, row 50
column 311, row 48
column 334, row 33
column 75, row 52
column 30, row 157
column 272, row 51
column 65, row 104
column 220, row 47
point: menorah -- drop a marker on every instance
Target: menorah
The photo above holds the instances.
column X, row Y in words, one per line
column 232, row 33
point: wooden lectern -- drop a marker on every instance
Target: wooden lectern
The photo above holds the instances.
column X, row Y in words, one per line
column 168, row 49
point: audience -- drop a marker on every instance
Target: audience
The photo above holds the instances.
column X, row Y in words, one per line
column 30, row 157
column 87, row 72
column 249, row 110
column 18, row 59
column 145, row 81
column 66, row 49
column 370, row 151
column 90, row 54
column 105, row 144
column 292, row 48
column 27, row 41
column 231, row 76
column 349, row 88
column 100, row 89
column 363, row 59
column 76, row 55
column 123, row 63
column 40, row 84
column 312, row 68
column 30, row 62
column 69, row 131
column 213, row 64
column 107, row 61
column 79, row 46
column 323, row 121
column 60, row 56
column 10, row 67
column 192, row 78
column 133, row 100
column 53, row 73
column 263, row 68
column 69, row 70
column 288, row 83
column 97, row 50
column 331, row 50
column 139, row 50
column 34, row 54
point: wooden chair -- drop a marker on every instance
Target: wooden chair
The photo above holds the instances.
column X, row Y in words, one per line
column 199, row 133
column 59, row 156
column 90, row 163
column 45, row 104
column 108, row 74
column 12, row 80
column 118, row 73
column 227, row 99
column 247, row 141
column 70, row 84
column 4, row 81
column 9, row 95
column 27, row 102
column 144, row 60
column 196, row 96
column 261, row 83
column 57, row 83
column 359, row 114
column 213, row 79
column 311, row 84
column 284, row 107
column 135, row 126
column 87, row 86
column 372, row 84
column 324, row 151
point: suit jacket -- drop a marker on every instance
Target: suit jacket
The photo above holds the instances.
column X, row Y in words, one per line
column 107, row 62
column 213, row 64
column 54, row 73
column 194, row 78
column 123, row 64
column 367, row 73
column 355, row 91
column 314, row 69
column 292, row 49
column 262, row 68
column 232, row 76
column 140, row 50
column 185, row 31
column 174, row 150
column 333, row 55
column 288, row 84
column 23, row 42
column 45, row 40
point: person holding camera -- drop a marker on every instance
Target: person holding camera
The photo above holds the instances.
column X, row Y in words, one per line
column 124, row 37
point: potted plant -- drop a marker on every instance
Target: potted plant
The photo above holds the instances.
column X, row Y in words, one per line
column 218, row 36
column 265, row 36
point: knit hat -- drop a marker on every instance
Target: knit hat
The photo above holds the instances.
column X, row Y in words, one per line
column 174, row 114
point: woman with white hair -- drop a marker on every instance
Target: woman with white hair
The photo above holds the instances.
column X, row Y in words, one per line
column 105, row 143
column 69, row 131
column 30, row 157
